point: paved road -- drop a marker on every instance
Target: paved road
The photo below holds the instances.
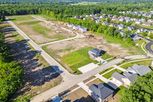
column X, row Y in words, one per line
column 68, row 39
column 134, row 57
column 149, row 44
column 70, row 83
column 69, row 79
column 149, row 47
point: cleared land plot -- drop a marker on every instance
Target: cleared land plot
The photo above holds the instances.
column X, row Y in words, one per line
column 74, row 53
column 38, row 75
column 20, row 19
column 143, row 62
column 63, row 48
column 96, row 81
column 106, row 56
column 78, row 95
column 41, row 32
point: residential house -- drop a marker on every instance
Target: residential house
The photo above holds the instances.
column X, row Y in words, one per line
column 82, row 29
column 130, row 28
column 121, row 19
column 122, row 33
column 139, row 69
column 138, row 21
column 101, row 92
column 105, row 23
column 120, row 26
column 126, row 79
column 75, row 27
column 56, row 99
column 117, row 78
column 131, row 77
column 94, row 53
column 135, row 37
column 70, row 25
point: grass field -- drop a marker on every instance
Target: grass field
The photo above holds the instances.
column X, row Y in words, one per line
column 78, row 58
column 21, row 18
column 108, row 75
column 144, row 62
column 106, row 56
column 106, row 70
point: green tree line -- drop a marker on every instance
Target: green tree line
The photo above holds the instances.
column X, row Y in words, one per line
column 140, row 91
column 10, row 72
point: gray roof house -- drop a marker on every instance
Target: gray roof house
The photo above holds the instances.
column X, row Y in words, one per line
column 135, row 37
column 132, row 77
column 125, row 79
column 141, row 69
column 95, row 53
column 118, row 77
column 101, row 93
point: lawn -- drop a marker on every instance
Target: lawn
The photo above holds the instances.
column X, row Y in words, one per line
column 108, row 75
column 40, row 29
column 121, row 90
column 21, row 18
column 77, row 59
column 106, row 70
column 106, row 56
column 144, row 62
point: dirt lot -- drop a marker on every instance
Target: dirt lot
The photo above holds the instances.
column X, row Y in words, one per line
column 96, row 81
column 79, row 96
column 41, row 32
column 66, row 47
column 38, row 75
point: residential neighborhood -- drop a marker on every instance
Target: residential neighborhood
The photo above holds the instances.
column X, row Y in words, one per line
column 76, row 51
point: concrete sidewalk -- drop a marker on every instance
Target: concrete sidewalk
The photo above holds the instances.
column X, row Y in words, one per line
column 85, row 87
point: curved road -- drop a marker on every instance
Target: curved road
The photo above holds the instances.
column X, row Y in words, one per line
column 149, row 44
column 149, row 47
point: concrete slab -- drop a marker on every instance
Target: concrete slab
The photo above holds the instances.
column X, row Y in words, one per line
column 88, row 67
column 85, row 87
column 119, row 68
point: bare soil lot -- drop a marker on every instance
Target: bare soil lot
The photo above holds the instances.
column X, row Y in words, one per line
column 41, row 32
column 63, row 48
column 74, row 53
column 78, row 95
column 96, row 81
column 38, row 75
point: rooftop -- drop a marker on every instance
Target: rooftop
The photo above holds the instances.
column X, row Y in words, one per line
column 101, row 90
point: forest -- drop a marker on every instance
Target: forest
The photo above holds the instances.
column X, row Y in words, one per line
column 10, row 71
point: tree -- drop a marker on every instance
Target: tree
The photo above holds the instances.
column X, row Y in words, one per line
column 10, row 72
column 140, row 91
